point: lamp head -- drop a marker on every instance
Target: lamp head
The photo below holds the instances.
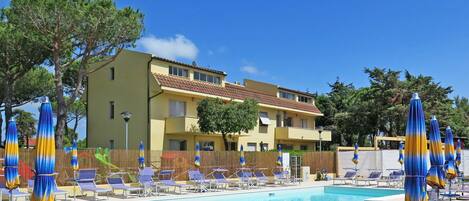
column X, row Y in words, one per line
column 126, row 115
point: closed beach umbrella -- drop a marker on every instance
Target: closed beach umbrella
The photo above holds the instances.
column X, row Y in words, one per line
column 415, row 160
column 436, row 175
column 74, row 161
column 355, row 156
column 242, row 160
column 45, row 156
column 279, row 157
column 12, row 179
column 197, row 155
column 401, row 154
column 141, row 155
column 458, row 154
column 449, row 155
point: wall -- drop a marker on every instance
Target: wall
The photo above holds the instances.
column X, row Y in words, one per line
column 128, row 91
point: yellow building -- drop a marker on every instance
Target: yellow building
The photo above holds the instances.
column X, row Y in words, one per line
column 162, row 96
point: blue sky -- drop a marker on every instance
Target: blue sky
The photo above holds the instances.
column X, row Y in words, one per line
column 305, row 45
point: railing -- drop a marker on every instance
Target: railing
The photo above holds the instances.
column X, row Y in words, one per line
column 180, row 161
column 295, row 133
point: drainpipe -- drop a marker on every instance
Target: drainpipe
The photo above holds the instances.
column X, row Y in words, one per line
column 148, row 102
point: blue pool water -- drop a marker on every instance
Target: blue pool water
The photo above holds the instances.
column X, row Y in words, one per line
column 307, row 194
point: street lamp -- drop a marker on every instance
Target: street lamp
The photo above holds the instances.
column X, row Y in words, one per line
column 320, row 129
column 126, row 116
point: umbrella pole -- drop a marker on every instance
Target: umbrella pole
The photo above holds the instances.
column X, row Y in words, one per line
column 11, row 195
column 450, row 196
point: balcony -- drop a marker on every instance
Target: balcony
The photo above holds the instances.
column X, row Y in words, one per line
column 293, row 133
column 182, row 125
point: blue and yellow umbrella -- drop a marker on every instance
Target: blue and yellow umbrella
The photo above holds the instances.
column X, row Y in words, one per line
column 415, row 159
column 141, row 155
column 44, row 182
column 401, row 154
column 279, row 157
column 449, row 155
column 11, row 157
column 74, row 160
column 197, row 155
column 458, row 154
column 242, row 160
column 436, row 175
column 355, row 156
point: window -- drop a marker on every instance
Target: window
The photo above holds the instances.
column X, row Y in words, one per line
column 111, row 73
column 288, row 122
column 287, row 95
column 206, row 78
column 304, row 99
column 251, row 147
column 111, row 109
column 285, row 146
column 233, row 146
column 207, row 146
column 304, row 123
column 264, row 119
column 111, row 144
column 177, row 145
column 303, row 147
column 177, row 108
column 279, row 120
column 264, row 146
column 181, row 72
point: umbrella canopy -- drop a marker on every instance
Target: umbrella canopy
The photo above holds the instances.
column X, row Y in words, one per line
column 242, row 160
column 436, row 175
column 415, row 160
column 197, row 155
column 279, row 157
column 355, row 154
column 141, row 155
column 458, row 154
column 449, row 155
column 11, row 157
column 44, row 182
column 74, row 160
column 401, row 154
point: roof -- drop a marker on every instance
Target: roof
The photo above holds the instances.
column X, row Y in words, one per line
column 190, row 65
column 232, row 91
column 297, row 91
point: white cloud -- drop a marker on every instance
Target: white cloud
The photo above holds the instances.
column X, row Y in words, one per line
column 250, row 69
column 171, row 48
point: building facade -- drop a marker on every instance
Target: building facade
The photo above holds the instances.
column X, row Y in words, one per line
column 162, row 96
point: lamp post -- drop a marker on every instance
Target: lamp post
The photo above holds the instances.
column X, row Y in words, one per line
column 320, row 146
column 126, row 116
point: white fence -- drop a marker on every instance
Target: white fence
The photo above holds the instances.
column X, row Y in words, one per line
column 383, row 160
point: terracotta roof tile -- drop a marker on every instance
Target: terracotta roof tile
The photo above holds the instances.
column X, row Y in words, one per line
column 232, row 91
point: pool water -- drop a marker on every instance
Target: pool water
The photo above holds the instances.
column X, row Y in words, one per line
column 307, row 194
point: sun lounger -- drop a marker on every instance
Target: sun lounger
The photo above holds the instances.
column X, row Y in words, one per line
column 394, row 179
column 349, row 176
column 281, row 176
column 15, row 194
column 86, row 183
column 146, row 182
column 373, row 177
column 165, row 177
column 262, row 180
column 57, row 191
column 246, row 179
column 220, row 181
column 199, row 181
column 117, row 183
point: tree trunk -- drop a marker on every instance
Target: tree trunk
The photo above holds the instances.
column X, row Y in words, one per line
column 27, row 141
column 8, row 104
column 75, row 126
column 1, row 125
column 61, row 103
column 225, row 141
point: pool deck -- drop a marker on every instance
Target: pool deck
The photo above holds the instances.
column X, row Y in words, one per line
column 188, row 195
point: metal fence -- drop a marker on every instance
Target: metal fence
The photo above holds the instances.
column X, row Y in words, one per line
column 180, row 161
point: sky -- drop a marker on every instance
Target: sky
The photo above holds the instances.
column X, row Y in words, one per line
column 305, row 45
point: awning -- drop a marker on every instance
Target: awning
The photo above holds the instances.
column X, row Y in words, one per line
column 264, row 118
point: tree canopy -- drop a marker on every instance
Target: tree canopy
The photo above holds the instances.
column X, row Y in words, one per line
column 359, row 114
column 216, row 116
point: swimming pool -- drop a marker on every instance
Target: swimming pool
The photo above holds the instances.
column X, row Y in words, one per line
column 306, row 194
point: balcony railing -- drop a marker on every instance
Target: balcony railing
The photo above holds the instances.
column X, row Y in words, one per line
column 182, row 125
column 294, row 133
